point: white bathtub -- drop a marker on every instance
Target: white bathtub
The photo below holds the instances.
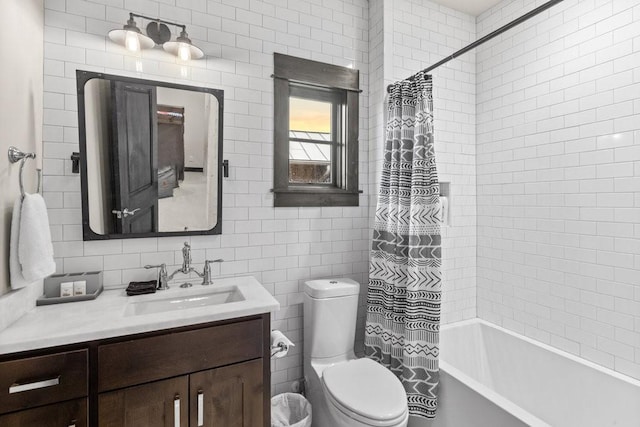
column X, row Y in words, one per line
column 491, row 377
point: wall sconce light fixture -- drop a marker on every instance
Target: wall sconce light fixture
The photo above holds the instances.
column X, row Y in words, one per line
column 131, row 37
column 158, row 33
column 183, row 48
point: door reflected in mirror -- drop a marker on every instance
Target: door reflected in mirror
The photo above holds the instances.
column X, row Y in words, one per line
column 150, row 157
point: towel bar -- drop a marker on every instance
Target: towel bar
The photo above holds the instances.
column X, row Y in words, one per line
column 15, row 155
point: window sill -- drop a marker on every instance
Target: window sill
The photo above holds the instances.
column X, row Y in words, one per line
column 314, row 197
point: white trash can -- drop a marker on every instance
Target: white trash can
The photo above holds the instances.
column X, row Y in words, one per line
column 290, row 410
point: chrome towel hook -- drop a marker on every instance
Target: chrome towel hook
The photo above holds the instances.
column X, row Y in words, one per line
column 16, row 155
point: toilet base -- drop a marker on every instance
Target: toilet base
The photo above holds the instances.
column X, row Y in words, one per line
column 324, row 414
column 315, row 395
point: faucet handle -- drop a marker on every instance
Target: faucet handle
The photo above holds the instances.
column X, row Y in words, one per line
column 206, row 276
column 162, row 267
column 162, row 275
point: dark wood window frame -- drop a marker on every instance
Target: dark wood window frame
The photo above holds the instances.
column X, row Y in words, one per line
column 317, row 80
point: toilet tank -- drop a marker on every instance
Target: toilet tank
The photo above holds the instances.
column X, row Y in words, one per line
column 330, row 311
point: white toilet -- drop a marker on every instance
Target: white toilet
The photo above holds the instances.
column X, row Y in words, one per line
column 344, row 391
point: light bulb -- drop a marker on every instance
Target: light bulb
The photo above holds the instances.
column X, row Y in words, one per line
column 184, row 51
column 131, row 41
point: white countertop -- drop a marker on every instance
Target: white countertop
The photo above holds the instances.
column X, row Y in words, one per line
column 107, row 316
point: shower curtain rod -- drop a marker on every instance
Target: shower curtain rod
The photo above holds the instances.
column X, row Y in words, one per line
column 488, row 37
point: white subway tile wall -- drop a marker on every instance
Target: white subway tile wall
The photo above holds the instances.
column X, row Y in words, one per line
column 558, row 160
column 418, row 33
column 375, row 132
column 280, row 247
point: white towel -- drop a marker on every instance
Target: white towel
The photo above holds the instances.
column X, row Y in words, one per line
column 15, row 271
column 35, row 251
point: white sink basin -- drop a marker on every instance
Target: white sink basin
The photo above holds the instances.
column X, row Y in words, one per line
column 187, row 299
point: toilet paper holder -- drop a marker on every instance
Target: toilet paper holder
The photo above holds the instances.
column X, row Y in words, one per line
column 279, row 348
column 280, row 344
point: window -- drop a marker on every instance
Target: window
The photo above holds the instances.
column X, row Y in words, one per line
column 315, row 137
column 316, row 133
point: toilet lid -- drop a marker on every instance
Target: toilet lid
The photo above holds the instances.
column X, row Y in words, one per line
column 366, row 388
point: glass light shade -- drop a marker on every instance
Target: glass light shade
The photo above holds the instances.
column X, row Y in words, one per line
column 183, row 48
column 132, row 40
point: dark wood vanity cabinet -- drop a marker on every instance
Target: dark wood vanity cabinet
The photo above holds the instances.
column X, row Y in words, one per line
column 218, row 377
column 216, row 374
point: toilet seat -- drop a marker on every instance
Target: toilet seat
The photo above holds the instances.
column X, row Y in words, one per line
column 366, row 391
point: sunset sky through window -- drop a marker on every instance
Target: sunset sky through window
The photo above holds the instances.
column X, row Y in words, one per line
column 308, row 115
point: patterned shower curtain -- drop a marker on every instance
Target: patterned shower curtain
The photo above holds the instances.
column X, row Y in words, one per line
column 403, row 301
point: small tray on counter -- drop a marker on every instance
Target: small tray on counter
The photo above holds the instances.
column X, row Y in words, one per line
column 52, row 287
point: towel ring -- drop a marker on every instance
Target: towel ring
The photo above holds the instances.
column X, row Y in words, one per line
column 16, row 155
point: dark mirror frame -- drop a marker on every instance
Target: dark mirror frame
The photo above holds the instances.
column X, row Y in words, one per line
column 82, row 77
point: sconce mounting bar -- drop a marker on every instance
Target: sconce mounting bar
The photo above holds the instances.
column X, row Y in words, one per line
column 131, row 14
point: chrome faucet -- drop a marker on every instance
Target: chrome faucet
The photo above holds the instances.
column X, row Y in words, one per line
column 186, row 255
column 164, row 279
column 186, row 261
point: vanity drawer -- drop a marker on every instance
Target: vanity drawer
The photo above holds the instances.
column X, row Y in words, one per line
column 34, row 381
column 154, row 358
column 67, row 414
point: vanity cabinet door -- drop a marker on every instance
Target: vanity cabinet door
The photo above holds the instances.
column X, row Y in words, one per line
column 158, row 404
column 66, row 414
column 231, row 396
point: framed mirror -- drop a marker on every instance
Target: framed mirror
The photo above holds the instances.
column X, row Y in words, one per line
column 150, row 157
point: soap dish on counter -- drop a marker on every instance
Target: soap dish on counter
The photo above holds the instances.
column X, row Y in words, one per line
column 56, row 285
